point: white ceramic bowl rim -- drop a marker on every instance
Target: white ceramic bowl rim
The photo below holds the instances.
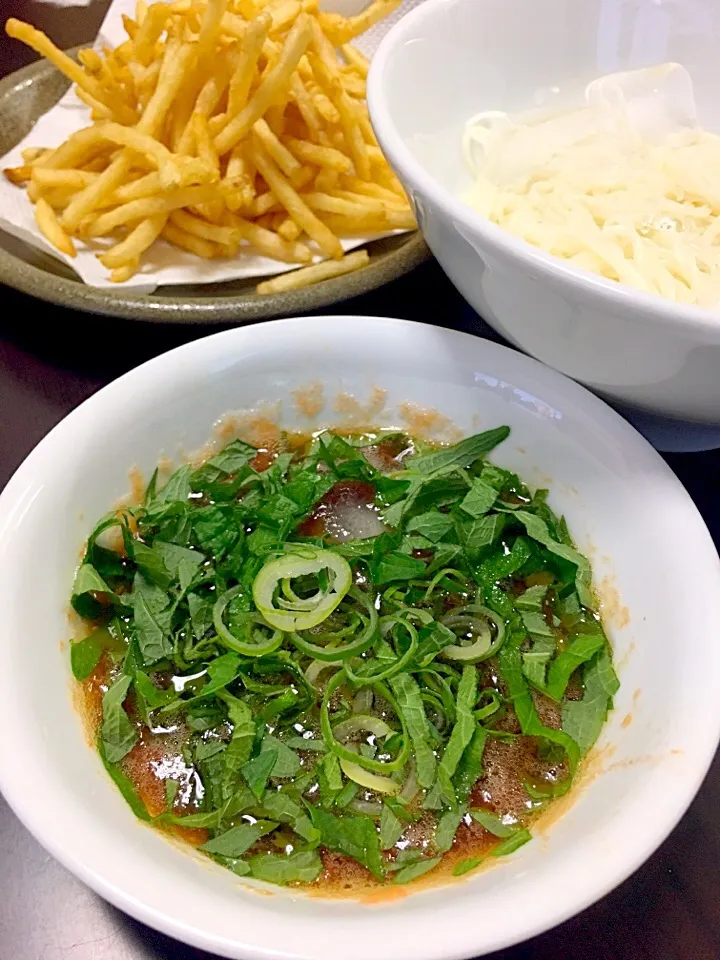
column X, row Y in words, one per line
column 412, row 928
column 531, row 258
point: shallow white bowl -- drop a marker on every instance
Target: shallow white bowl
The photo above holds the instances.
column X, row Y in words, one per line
column 652, row 555
column 449, row 59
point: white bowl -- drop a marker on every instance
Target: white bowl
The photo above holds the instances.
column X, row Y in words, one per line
column 652, row 555
column 449, row 59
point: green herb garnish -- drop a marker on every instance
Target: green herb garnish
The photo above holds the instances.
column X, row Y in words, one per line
column 337, row 696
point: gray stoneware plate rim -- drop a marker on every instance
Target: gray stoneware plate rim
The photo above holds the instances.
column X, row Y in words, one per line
column 390, row 258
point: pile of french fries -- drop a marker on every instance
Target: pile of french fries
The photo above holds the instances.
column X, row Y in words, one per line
column 219, row 126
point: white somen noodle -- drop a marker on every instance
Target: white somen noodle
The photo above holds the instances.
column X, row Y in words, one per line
column 613, row 187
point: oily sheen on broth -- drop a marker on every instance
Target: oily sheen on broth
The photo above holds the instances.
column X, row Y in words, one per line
column 342, row 662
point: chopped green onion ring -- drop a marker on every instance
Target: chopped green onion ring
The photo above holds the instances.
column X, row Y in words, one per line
column 440, row 575
column 359, row 722
column 355, row 647
column 235, row 643
column 396, row 666
column 485, row 646
column 485, row 710
column 300, row 614
column 316, row 668
column 343, row 752
column 371, row 781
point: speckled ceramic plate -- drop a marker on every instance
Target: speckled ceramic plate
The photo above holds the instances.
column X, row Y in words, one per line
column 30, row 92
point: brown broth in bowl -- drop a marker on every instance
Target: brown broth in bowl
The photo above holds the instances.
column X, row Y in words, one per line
column 437, row 675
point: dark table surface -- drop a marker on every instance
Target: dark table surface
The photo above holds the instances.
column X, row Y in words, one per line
column 50, row 361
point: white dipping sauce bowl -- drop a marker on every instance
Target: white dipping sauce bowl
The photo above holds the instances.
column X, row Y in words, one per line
column 654, row 564
column 447, row 60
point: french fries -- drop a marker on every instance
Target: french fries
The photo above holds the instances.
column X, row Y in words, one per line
column 319, row 271
column 50, row 228
column 219, row 126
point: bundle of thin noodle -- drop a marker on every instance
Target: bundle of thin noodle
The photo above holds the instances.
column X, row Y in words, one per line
column 588, row 188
